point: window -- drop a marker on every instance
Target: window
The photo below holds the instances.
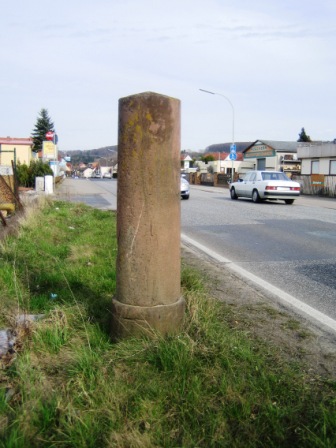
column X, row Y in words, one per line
column 333, row 167
column 315, row 167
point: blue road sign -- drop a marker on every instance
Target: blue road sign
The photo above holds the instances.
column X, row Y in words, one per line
column 233, row 148
column 233, row 156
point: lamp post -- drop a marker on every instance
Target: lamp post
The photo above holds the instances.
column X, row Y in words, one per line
column 233, row 155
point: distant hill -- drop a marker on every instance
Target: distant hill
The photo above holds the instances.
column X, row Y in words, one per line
column 90, row 155
column 225, row 147
column 111, row 152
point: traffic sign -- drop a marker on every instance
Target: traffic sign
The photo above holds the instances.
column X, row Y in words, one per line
column 233, row 156
column 233, row 148
column 49, row 135
column 49, row 150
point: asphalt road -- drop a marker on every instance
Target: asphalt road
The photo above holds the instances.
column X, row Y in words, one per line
column 290, row 250
column 98, row 193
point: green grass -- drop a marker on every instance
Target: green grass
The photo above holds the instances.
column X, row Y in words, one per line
column 209, row 386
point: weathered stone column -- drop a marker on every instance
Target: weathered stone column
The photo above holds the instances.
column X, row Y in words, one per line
column 148, row 293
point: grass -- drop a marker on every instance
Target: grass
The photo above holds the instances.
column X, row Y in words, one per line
column 210, row 386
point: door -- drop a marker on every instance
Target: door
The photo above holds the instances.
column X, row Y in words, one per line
column 250, row 184
column 261, row 164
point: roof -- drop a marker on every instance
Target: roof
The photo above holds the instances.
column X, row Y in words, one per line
column 239, row 157
column 218, row 155
column 186, row 157
column 16, row 141
column 284, row 146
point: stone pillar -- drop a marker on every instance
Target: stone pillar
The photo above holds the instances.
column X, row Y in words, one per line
column 49, row 184
column 39, row 183
column 148, row 295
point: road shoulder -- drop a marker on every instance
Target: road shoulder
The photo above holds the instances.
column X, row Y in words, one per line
column 254, row 312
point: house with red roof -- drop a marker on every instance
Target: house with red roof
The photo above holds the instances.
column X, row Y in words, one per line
column 222, row 163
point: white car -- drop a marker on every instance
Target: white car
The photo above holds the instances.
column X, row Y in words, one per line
column 185, row 188
column 262, row 185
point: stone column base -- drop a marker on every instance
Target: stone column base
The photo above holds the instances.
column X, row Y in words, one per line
column 130, row 320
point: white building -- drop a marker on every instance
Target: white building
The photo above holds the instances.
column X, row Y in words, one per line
column 317, row 158
column 88, row 172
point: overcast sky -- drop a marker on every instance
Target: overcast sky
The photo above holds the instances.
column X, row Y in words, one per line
column 274, row 60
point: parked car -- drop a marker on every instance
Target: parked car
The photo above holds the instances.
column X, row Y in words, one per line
column 262, row 185
column 185, row 188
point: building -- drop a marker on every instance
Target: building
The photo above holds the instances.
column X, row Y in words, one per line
column 318, row 169
column 318, row 158
column 16, row 150
column 186, row 162
column 273, row 155
column 222, row 164
column 88, row 172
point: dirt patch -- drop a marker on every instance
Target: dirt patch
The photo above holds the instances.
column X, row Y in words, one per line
column 12, row 224
column 28, row 199
column 260, row 316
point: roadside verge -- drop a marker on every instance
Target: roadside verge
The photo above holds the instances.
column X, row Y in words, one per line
column 260, row 314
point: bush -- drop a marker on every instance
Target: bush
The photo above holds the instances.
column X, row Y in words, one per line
column 26, row 174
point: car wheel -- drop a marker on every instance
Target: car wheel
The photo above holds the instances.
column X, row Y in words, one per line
column 233, row 194
column 185, row 197
column 255, row 196
column 289, row 201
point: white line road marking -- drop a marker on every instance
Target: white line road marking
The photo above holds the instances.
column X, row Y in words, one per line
column 283, row 296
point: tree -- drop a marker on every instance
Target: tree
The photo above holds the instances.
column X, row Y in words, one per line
column 207, row 158
column 42, row 126
column 303, row 137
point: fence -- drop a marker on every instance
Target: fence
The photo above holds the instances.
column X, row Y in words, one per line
column 325, row 188
column 212, row 180
column 9, row 198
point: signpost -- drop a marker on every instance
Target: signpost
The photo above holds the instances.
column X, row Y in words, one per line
column 50, row 135
column 50, row 151
column 233, row 153
column 233, row 157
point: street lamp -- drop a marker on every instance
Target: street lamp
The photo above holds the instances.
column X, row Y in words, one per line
column 233, row 146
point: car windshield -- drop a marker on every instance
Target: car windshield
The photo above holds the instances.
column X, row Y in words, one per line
column 274, row 176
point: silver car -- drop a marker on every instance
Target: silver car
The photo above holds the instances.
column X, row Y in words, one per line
column 262, row 185
column 185, row 188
